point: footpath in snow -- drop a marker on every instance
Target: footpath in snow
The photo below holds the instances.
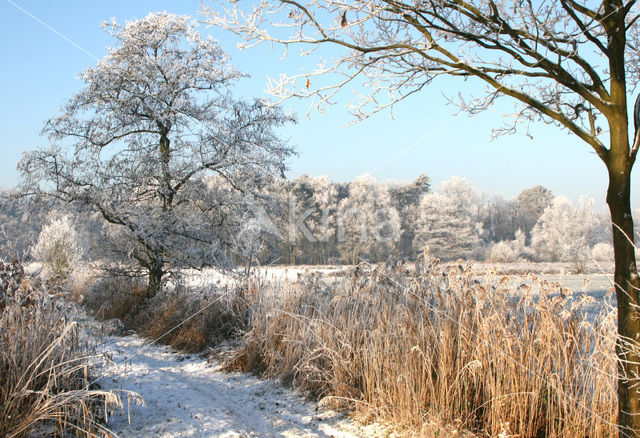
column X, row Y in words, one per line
column 185, row 396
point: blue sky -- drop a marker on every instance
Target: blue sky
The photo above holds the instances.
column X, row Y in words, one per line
column 40, row 71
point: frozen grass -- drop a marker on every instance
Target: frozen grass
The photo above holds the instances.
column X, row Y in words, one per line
column 200, row 310
column 191, row 323
column 185, row 318
column 44, row 365
column 441, row 346
column 114, row 297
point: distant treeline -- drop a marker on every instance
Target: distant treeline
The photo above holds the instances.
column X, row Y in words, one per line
column 312, row 220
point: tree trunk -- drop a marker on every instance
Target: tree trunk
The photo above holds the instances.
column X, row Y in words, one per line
column 627, row 286
column 166, row 191
column 619, row 163
column 155, row 279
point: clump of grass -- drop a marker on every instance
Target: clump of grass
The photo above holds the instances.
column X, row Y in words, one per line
column 191, row 322
column 44, row 365
column 442, row 346
column 185, row 319
column 110, row 297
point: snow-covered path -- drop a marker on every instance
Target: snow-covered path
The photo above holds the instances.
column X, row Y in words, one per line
column 186, row 396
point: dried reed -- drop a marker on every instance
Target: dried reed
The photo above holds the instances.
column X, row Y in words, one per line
column 493, row 355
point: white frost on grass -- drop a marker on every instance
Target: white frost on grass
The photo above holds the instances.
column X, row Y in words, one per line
column 186, row 396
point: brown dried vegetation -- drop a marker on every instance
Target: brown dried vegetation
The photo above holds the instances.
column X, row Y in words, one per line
column 488, row 354
column 44, row 365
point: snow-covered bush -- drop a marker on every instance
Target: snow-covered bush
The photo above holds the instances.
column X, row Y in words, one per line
column 509, row 251
column 602, row 252
column 565, row 232
column 58, row 247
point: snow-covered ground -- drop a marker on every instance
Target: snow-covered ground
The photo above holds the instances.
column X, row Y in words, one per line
column 208, row 278
column 185, row 396
column 596, row 283
column 560, row 268
column 597, row 286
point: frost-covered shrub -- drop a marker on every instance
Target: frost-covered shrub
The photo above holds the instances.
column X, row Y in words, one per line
column 509, row 251
column 80, row 279
column 602, row 252
column 502, row 252
column 222, row 316
column 565, row 232
column 58, row 247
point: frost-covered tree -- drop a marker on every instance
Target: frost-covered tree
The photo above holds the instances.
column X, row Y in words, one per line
column 368, row 225
column 509, row 251
column 530, row 205
column 449, row 222
column 565, row 232
column 406, row 199
column 21, row 220
column 323, row 225
column 463, row 194
column 310, row 204
column 154, row 117
column 499, row 219
column 249, row 242
column 58, row 248
column 446, row 232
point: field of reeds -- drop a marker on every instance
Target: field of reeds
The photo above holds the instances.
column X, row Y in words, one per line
column 45, row 365
column 441, row 350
